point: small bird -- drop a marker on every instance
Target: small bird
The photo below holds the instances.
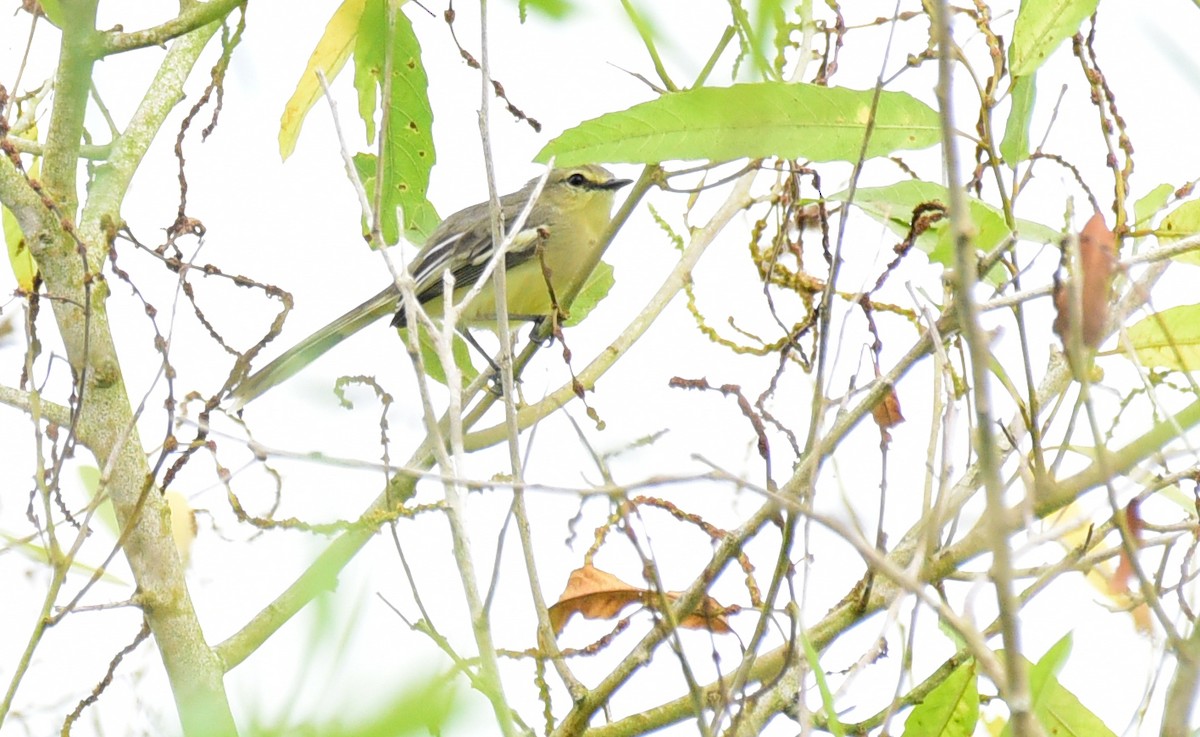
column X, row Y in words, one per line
column 564, row 224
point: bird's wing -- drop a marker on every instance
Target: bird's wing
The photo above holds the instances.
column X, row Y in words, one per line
column 467, row 253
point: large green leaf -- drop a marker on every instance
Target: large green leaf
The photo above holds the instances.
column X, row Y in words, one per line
column 408, row 137
column 1041, row 26
column 894, row 205
column 795, row 121
column 950, row 710
column 1168, row 339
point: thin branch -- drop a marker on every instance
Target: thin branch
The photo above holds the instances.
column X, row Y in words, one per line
column 24, row 401
column 1015, row 688
column 192, row 17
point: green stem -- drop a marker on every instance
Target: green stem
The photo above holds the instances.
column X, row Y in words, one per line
column 644, row 31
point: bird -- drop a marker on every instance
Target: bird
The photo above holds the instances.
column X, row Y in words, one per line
column 564, row 226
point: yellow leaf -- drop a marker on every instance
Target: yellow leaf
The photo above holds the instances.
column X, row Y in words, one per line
column 183, row 524
column 329, row 57
column 23, row 265
column 1102, row 575
column 18, row 252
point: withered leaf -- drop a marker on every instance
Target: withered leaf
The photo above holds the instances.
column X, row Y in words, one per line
column 887, row 411
column 1133, row 521
column 593, row 593
column 1097, row 259
column 597, row 594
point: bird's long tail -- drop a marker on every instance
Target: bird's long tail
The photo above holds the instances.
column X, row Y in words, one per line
column 311, row 348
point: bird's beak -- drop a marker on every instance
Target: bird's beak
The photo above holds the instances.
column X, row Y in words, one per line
column 615, row 184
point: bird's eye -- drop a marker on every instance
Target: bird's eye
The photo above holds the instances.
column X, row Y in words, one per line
column 577, row 180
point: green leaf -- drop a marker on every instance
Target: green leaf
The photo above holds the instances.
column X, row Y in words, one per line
column 433, row 362
column 54, row 12
column 1168, row 339
column 1062, row 713
column 425, row 706
column 1042, row 674
column 776, row 32
column 1040, row 27
column 754, row 37
column 949, row 631
column 1179, row 223
column 89, row 476
column 596, row 288
column 38, row 554
column 1058, row 710
column 1147, row 207
column 833, row 724
column 329, row 57
column 555, row 9
column 1015, row 145
column 365, row 165
column 370, row 57
column 894, row 205
column 421, row 709
column 408, row 138
column 23, row 266
column 799, row 121
column 950, row 710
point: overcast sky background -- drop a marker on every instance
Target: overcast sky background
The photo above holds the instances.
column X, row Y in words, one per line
column 296, row 225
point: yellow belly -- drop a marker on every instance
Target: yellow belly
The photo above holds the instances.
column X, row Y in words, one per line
column 528, row 294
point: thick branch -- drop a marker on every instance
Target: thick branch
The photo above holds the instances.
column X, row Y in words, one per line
column 70, row 260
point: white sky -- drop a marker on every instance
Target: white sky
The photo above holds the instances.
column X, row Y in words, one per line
column 296, row 225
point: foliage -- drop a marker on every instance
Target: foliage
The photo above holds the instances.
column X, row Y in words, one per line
column 901, row 243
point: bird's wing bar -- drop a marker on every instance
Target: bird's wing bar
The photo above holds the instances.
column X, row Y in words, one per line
column 469, row 253
column 468, row 274
column 432, row 261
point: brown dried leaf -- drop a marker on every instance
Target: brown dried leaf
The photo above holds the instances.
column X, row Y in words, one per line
column 711, row 615
column 597, row 594
column 887, row 412
column 1119, row 583
column 1098, row 259
column 1102, row 575
column 593, row 593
